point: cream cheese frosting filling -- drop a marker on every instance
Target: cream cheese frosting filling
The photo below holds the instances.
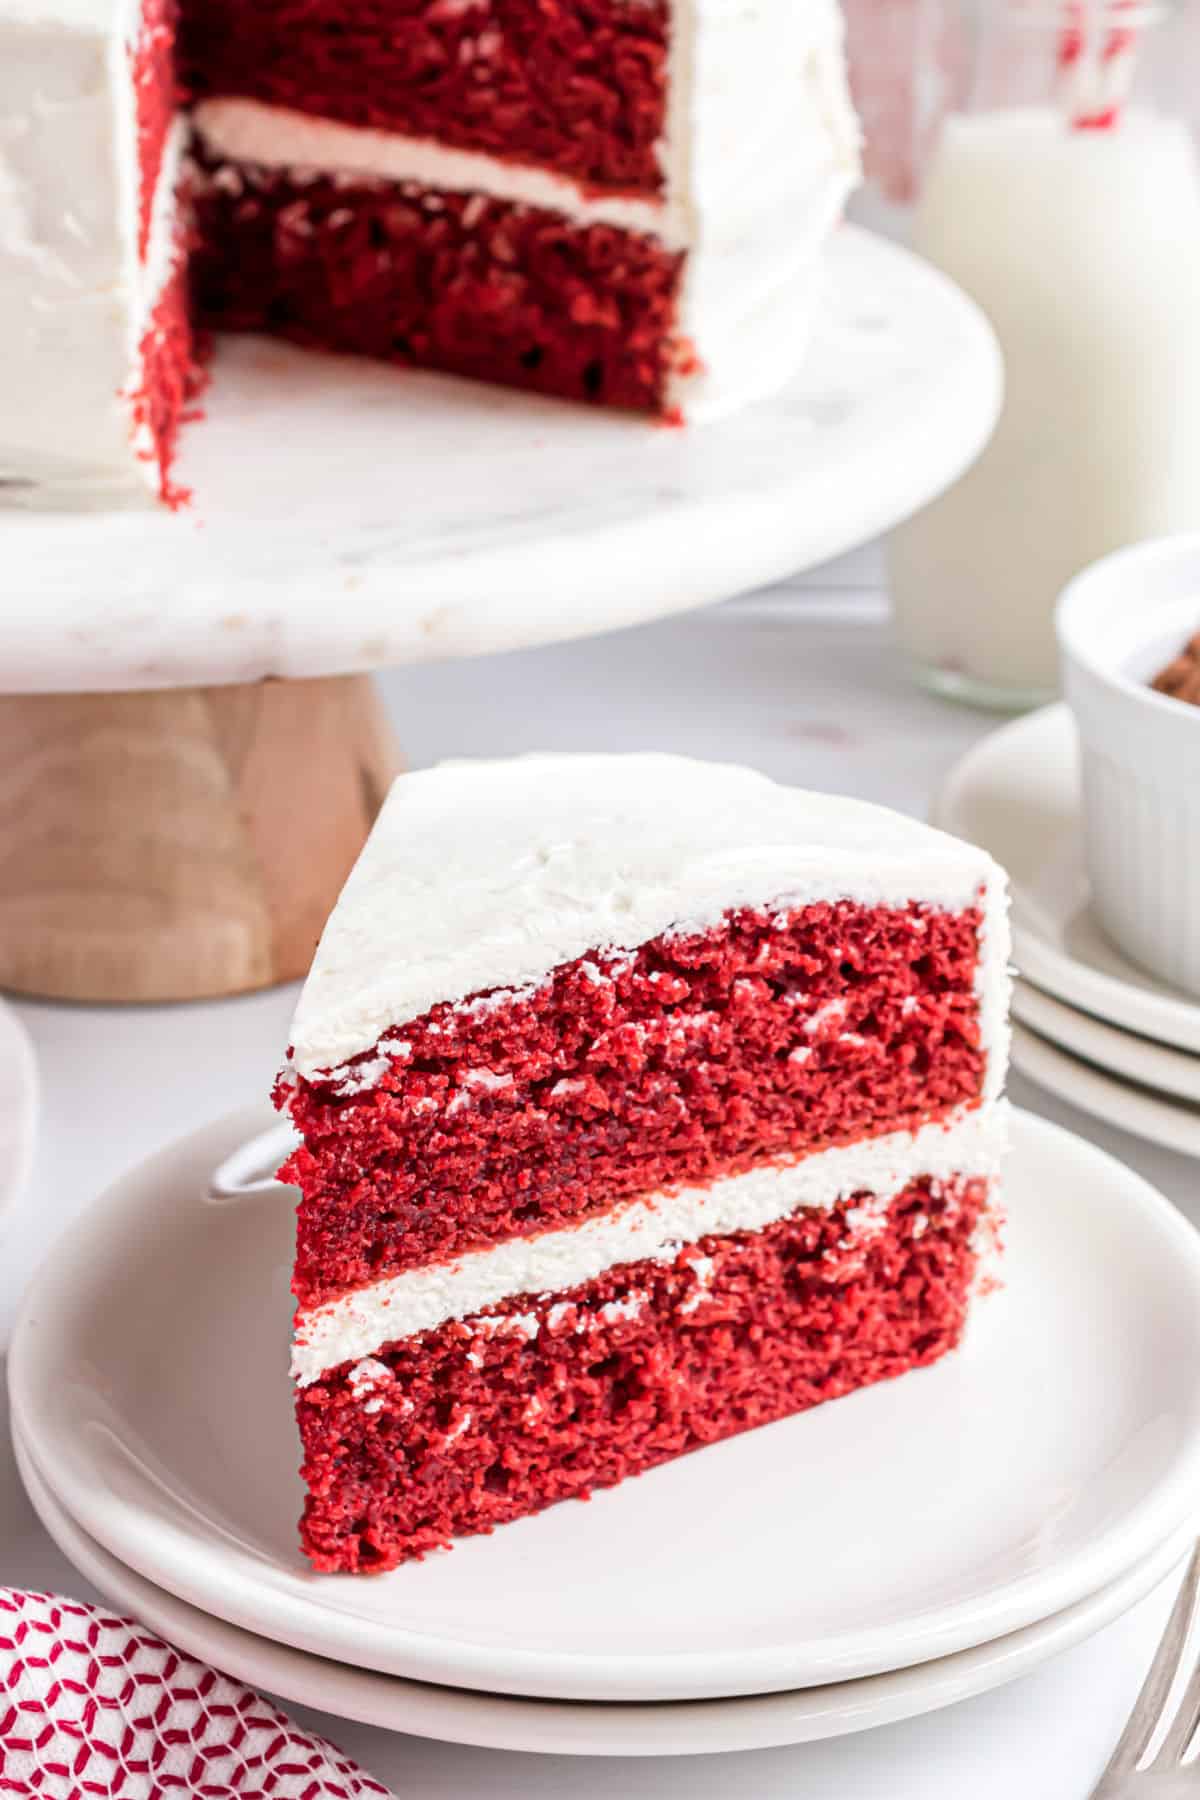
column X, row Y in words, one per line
column 655, row 1228
column 248, row 131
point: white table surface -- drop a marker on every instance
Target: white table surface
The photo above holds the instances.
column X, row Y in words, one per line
column 799, row 680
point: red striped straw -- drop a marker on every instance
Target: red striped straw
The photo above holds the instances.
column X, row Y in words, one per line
column 1096, row 60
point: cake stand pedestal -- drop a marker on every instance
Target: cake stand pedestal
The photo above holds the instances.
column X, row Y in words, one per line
column 180, row 843
column 190, row 756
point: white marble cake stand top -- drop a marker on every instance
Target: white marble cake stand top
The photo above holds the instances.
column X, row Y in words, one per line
column 348, row 518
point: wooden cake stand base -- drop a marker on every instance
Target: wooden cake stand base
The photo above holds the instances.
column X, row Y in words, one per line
column 181, row 844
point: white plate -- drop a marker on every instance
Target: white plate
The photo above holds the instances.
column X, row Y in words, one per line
column 581, row 1728
column 902, row 1523
column 18, row 1108
column 1017, row 794
column 1172, row 1124
column 352, row 517
column 1122, row 1053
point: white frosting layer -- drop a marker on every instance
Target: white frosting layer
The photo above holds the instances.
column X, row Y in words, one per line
column 274, row 137
column 654, row 1228
column 74, row 298
column 760, row 153
column 490, row 874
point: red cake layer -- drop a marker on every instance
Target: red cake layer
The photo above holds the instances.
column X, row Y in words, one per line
column 171, row 378
column 471, row 1425
column 573, row 85
column 448, row 281
column 155, row 102
column 622, row 1075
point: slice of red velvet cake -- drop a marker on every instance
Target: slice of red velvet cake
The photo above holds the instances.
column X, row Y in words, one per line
column 643, row 1101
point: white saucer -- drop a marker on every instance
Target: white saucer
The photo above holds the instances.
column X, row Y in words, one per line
column 1121, row 1053
column 1017, row 794
column 18, row 1107
column 1172, row 1124
column 906, row 1522
column 581, row 1728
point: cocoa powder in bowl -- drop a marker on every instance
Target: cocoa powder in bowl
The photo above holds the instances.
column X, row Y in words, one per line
column 1181, row 677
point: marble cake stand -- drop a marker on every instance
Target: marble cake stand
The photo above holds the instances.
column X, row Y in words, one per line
column 168, row 675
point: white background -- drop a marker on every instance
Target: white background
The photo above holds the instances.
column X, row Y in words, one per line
column 801, row 681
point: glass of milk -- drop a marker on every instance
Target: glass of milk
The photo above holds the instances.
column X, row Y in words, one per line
column 1068, row 205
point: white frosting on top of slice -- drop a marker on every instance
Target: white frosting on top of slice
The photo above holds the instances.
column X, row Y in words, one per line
column 483, row 875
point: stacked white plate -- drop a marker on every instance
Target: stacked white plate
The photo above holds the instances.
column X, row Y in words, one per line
column 875, row 1558
column 1092, row 1028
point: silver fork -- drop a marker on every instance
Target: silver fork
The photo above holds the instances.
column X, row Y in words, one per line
column 1167, row 1777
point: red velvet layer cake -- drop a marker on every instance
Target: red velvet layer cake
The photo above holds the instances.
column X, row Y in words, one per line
column 642, row 1102
column 619, row 202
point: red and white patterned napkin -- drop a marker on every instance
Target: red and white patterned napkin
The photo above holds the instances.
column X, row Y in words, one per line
column 92, row 1704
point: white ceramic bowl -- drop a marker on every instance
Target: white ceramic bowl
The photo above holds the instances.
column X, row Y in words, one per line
column 1119, row 623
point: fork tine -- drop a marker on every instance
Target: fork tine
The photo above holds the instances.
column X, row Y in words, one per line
column 1182, row 1728
column 1148, row 1707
